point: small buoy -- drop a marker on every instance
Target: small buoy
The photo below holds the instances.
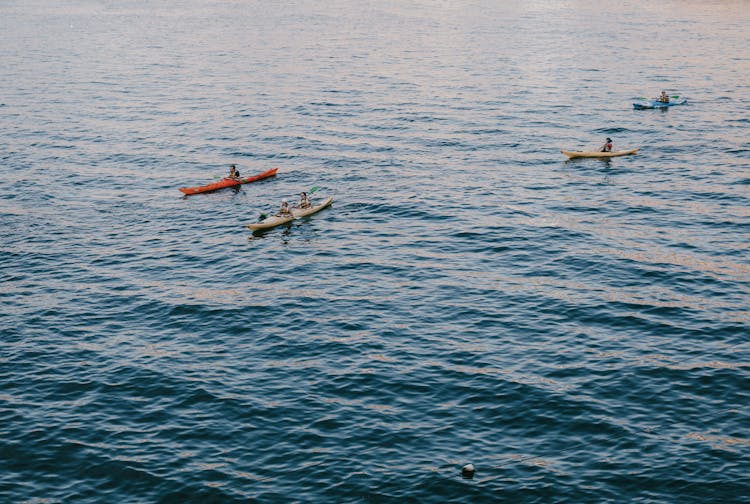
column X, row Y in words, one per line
column 467, row 471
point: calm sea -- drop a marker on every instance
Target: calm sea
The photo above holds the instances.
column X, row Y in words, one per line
column 577, row 330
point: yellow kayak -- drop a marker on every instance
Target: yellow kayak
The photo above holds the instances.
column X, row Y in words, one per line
column 575, row 154
column 297, row 213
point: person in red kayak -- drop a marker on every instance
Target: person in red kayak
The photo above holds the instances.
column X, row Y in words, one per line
column 233, row 173
column 607, row 147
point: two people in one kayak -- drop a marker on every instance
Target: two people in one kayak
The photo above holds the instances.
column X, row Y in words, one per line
column 304, row 202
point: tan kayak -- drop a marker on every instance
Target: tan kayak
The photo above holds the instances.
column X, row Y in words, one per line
column 574, row 154
column 297, row 213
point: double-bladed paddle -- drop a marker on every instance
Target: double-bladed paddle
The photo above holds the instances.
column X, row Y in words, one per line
column 644, row 98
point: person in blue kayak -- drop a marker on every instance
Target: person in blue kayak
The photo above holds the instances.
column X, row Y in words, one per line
column 607, row 147
column 304, row 200
column 233, row 172
column 663, row 98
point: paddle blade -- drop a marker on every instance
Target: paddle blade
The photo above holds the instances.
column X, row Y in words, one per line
column 262, row 217
column 313, row 189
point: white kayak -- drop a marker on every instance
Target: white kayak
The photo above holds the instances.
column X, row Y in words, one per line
column 297, row 213
column 577, row 154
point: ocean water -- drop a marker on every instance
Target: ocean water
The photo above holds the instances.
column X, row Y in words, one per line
column 577, row 330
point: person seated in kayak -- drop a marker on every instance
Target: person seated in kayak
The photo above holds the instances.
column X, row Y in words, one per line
column 304, row 200
column 285, row 211
column 233, row 172
column 664, row 98
column 607, row 147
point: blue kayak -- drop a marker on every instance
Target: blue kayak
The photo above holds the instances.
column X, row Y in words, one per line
column 652, row 104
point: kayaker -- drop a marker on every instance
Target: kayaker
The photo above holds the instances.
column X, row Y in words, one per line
column 304, row 200
column 233, row 173
column 664, row 98
column 285, row 210
column 607, row 147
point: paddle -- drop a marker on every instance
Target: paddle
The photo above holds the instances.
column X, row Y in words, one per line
column 644, row 98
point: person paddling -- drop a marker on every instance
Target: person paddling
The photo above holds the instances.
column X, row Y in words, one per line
column 285, row 210
column 607, row 147
column 304, row 200
column 233, row 172
column 664, row 98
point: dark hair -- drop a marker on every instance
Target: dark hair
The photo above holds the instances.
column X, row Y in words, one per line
column 609, row 139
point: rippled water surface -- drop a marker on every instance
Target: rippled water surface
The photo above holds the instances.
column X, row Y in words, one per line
column 578, row 330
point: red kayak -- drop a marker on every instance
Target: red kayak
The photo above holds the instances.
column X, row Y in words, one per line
column 228, row 182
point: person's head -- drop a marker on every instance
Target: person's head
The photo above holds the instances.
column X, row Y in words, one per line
column 283, row 202
column 303, row 194
column 609, row 140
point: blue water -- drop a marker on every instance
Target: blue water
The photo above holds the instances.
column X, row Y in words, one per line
column 577, row 330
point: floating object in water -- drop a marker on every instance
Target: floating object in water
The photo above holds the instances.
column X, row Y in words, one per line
column 467, row 471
